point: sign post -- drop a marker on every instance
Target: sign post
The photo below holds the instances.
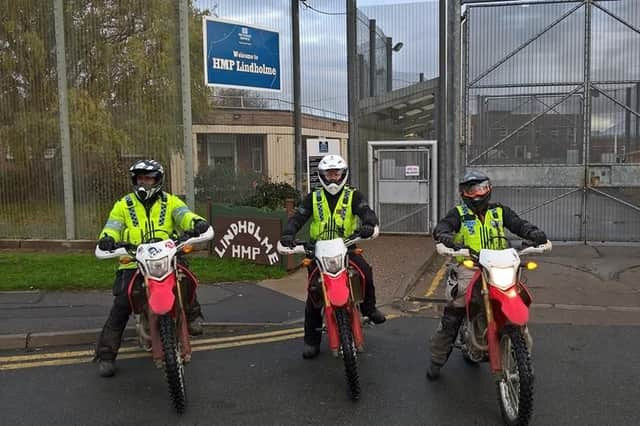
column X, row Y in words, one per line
column 240, row 56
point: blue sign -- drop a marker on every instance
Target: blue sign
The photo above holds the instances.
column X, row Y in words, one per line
column 240, row 56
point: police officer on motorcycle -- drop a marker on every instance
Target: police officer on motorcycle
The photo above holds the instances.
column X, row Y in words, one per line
column 477, row 224
column 147, row 207
column 335, row 209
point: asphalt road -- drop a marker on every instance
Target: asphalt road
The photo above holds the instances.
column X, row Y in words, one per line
column 585, row 375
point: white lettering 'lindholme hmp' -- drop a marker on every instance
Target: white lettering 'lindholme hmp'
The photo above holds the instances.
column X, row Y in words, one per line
column 245, row 227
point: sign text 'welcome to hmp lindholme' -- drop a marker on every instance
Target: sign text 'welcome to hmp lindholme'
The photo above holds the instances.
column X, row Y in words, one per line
column 240, row 56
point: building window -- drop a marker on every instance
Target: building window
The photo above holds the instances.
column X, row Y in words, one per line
column 256, row 159
column 221, row 151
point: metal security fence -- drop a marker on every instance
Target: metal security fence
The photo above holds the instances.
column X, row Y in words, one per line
column 89, row 86
column 550, row 111
column 86, row 88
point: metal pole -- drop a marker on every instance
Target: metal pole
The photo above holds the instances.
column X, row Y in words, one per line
column 389, row 51
column 454, row 72
column 361, row 70
column 297, row 108
column 372, row 57
column 587, row 116
column 185, row 83
column 627, row 122
column 353, row 92
column 63, row 118
column 443, row 183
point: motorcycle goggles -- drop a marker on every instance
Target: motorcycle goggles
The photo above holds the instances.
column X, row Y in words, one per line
column 333, row 175
column 474, row 190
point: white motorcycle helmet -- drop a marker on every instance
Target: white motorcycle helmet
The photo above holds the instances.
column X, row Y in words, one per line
column 333, row 173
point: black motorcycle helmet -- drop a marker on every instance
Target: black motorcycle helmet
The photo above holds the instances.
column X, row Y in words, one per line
column 147, row 168
column 475, row 190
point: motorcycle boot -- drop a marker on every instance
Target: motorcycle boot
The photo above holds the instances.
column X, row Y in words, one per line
column 106, row 368
column 194, row 314
column 376, row 316
column 310, row 351
column 312, row 330
column 433, row 371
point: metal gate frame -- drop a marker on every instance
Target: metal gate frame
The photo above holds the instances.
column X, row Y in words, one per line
column 583, row 177
column 373, row 146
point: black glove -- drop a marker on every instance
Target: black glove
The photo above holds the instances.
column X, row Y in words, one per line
column 287, row 240
column 366, row 230
column 538, row 237
column 107, row 243
column 200, row 227
column 447, row 240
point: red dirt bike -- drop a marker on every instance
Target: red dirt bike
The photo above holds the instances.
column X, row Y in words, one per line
column 158, row 302
column 495, row 328
column 339, row 289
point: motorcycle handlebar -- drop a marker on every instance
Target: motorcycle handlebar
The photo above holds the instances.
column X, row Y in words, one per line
column 467, row 252
column 307, row 248
column 128, row 249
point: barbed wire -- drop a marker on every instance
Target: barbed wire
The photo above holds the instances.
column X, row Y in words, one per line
column 308, row 6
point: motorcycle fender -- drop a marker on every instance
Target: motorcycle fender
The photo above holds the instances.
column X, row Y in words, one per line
column 512, row 306
column 337, row 288
column 161, row 297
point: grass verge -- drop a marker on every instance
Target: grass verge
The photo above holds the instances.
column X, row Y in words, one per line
column 76, row 271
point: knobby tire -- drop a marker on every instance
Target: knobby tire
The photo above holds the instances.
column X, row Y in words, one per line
column 348, row 352
column 522, row 357
column 173, row 367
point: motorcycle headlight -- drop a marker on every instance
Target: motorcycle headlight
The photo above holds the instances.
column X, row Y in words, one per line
column 332, row 264
column 503, row 278
column 158, row 267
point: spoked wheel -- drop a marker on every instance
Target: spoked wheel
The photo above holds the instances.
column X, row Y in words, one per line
column 515, row 388
column 173, row 366
column 348, row 353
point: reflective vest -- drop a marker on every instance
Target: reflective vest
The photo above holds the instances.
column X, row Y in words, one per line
column 339, row 224
column 477, row 235
column 129, row 222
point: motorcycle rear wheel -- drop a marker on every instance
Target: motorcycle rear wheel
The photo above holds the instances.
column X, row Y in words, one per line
column 348, row 352
column 173, row 366
column 515, row 388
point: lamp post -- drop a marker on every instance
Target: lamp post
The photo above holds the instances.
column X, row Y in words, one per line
column 391, row 48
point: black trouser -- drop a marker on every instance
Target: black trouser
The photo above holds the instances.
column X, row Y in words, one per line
column 313, row 309
column 111, row 336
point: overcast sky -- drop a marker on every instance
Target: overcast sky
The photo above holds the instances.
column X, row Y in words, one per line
column 557, row 56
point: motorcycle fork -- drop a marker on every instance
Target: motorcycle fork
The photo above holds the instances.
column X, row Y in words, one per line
column 356, row 325
column 181, row 320
column 495, row 359
column 330, row 322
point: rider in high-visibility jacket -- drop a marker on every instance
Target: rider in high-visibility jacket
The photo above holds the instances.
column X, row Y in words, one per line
column 337, row 211
column 477, row 224
column 145, row 211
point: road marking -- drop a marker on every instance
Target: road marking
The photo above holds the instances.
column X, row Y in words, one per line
column 198, row 342
column 437, row 279
column 83, row 357
column 17, row 362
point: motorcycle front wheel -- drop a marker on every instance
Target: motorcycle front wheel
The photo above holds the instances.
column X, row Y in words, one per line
column 515, row 387
column 173, row 366
column 348, row 352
